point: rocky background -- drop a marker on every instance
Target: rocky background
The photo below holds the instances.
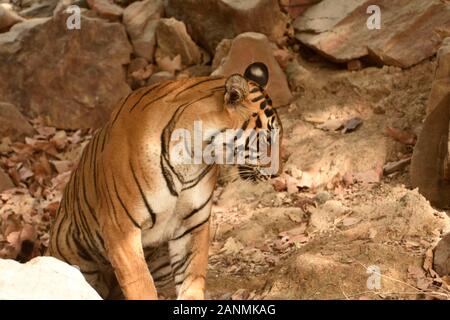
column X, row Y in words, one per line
column 352, row 102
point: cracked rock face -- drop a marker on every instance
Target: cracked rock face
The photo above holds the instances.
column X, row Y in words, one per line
column 338, row 30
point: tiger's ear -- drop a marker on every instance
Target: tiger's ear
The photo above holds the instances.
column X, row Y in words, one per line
column 236, row 89
column 257, row 72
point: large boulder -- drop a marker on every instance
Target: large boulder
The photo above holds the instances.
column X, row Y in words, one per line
column 338, row 30
column 210, row 21
column 141, row 19
column 72, row 78
column 251, row 47
column 430, row 166
column 12, row 123
column 43, row 278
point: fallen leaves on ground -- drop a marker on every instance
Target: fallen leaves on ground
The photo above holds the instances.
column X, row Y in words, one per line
column 40, row 167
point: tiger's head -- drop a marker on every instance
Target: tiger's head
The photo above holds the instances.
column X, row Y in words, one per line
column 259, row 139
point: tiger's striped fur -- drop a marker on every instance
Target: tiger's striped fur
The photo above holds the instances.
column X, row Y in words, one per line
column 129, row 217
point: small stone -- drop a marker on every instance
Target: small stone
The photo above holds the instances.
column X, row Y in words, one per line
column 106, row 9
column 442, row 256
column 322, row 197
column 12, row 123
column 354, row 65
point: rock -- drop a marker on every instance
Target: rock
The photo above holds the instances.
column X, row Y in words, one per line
column 160, row 76
column 429, row 165
column 442, row 256
column 12, row 123
column 173, row 40
column 395, row 166
column 325, row 15
column 64, row 4
column 77, row 70
column 441, row 81
column 43, row 278
column 137, row 64
column 248, row 48
column 209, row 22
column 296, row 7
column 197, row 71
column 106, row 9
column 39, row 9
column 5, row 181
column 222, row 50
column 8, row 17
column 297, row 75
column 141, row 19
column 322, row 197
column 354, row 65
column 343, row 34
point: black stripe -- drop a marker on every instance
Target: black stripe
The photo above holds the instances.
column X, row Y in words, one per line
column 197, row 84
column 258, row 122
column 268, row 112
column 199, row 208
column 258, row 98
column 161, row 87
column 123, row 204
column 147, row 204
column 255, row 90
column 191, row 229
column 108, row 197
column 105, row 132
column 121, row 107
column 164, row 265
column 143, row 96
column 245, row 124
column 82, row 251
column 263, row 105
column 181, row 268
column 168, row 178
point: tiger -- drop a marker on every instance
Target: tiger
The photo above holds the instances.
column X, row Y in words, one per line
column 131, row 218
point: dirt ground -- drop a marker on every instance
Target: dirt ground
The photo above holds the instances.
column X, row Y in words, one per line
column 323, row 242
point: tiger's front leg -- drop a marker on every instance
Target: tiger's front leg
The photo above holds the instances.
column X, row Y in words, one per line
column 126, row 255
column 189, row 260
